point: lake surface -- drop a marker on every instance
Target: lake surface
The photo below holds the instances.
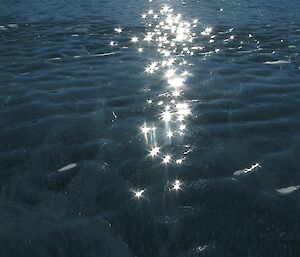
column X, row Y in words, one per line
column 149, row 129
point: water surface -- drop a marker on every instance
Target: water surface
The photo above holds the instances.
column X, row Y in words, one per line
column 105, row 151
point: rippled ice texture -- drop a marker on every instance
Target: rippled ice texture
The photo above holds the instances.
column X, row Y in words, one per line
column 76, row 177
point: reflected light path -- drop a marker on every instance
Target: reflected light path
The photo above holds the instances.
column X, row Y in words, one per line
column 172, row 41
column 171, row 36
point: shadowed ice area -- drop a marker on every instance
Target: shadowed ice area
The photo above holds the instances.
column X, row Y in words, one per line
column 112, row 145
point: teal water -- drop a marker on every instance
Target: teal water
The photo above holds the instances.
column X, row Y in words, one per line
column 112, row 145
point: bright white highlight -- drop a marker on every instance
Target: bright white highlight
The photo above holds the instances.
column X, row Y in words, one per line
column 118, row 30
column 176, row 185
column 134, row 39
column 167, row 159
column 138, row 193
column 145, row 130
column 166, row 116
column 247, row 170
column 154, row 151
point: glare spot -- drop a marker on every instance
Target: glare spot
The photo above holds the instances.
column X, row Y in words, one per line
column 154, row 151
column 166, row 53
column 176, row 185
column 148, row 37
column 165, row 9
column 138, row 193
column 112, row 43
column 170, row 61
column 182, row 127
column 134, row 39
column 185, row 73
column 151, row 68
column 118, row 30
column 176, row 82
column 167, row 107
column 145, row 130
column 179, row 161
column 170, row 134
column 176, row 93
column 180, row 118
column 183, row 109
column 166, row 116
column 206, row 32
column 167, row 159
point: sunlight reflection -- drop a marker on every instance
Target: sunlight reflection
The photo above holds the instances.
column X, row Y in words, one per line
column 137, row 194
column 154, row 151
column 118, row 30
column 171, row 38
column 171, row 35
column 166, row 116
column 176, row 185
column 134, row 39
column 168, row 43
column 167, row 159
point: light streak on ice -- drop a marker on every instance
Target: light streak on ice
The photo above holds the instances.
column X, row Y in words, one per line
column 247, row 170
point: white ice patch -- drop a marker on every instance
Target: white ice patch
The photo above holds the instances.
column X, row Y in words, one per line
column 12, row 25
column 103, row 54
column 287, row 190
column 277, row 62
column 247, row 170
column 54, row 58
column 68, row 167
